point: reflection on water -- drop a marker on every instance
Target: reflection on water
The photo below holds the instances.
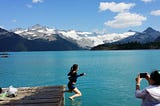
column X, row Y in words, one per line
column 75, row 103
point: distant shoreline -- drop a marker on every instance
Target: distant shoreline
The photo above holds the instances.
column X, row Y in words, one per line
column 128, row 46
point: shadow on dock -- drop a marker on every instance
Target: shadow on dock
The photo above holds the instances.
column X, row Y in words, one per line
column 36, row 96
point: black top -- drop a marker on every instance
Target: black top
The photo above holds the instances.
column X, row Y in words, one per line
column 73, row 77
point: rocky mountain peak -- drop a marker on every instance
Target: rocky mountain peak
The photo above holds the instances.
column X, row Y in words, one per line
column 149, row 30
column 1, row 30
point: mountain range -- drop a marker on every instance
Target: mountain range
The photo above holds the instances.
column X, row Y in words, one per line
column 42, row 38
column 148, row 35
column 85, row 40
column 10, row 41
column 148, row 39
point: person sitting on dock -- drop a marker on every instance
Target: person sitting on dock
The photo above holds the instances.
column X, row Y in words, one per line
column 72, row 81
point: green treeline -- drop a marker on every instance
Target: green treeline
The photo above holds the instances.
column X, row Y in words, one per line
column 128, row 46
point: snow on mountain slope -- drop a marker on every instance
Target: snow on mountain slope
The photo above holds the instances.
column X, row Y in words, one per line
column 37, row 32
column 109, row 38
column 88, row 39
column 83, row 39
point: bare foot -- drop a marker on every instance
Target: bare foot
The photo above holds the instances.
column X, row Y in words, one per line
column 71, row 98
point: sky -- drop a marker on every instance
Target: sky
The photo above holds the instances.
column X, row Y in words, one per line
column 103, row 16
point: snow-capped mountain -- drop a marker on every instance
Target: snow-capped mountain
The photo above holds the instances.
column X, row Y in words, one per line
column 36, row 32
column 10, row 41
column 89, row 39
column 85, row 40
column 148, row 35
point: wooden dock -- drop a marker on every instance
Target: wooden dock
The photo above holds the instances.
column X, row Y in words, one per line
column 36, row 96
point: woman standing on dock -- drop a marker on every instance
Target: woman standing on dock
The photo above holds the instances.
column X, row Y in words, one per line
column 72, row 81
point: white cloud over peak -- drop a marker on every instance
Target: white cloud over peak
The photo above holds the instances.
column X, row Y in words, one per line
column 146, row 1
column 126, row 19
column 155, row 13
column 115, row 7
column 100, row 31
column 37, row 1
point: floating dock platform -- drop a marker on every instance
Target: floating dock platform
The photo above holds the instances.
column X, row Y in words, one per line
column 36, row 96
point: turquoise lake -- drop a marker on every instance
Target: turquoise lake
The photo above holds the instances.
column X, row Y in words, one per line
column 110, row 79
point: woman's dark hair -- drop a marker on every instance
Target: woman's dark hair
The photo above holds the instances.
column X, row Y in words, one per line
column 73, row 68
column 155, row 76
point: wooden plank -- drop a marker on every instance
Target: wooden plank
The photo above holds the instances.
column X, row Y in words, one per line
column 44, row 87
column 37, row 96
column 33, row 101
column 41, row 104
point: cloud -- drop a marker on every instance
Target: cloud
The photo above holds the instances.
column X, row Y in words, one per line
column 28, row 6
column 155, row 13
column 126, row 19
column 115, row 7
column 100, row 31
column 146, row 1
column 37, row 1
column 14, row 20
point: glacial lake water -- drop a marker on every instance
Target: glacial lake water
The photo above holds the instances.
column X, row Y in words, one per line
column 110, row 79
